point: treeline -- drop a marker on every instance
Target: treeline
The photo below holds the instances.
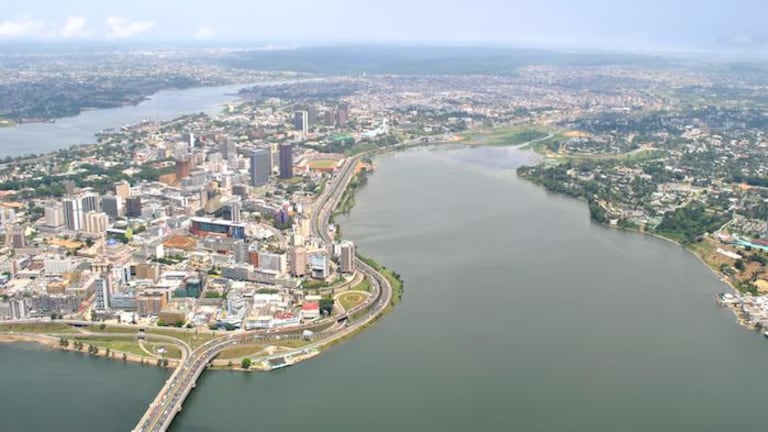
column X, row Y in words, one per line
column 689, row 222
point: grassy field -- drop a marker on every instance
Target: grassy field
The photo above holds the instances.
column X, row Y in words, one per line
column 125, row 345
column 352, row 299
column 507, row 136
column 364, row 285
column 322, row 164
column 173, row 351
column 239, row 351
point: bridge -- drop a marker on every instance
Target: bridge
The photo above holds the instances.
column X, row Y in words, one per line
column 169, row 400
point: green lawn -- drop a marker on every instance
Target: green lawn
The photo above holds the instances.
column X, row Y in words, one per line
column 239, row 351
column 350, row 300
column 507, row 136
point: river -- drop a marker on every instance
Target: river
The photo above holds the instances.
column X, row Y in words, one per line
column 519, row 314
column 80, row 129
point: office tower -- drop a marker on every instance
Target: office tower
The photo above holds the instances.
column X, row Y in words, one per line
column 229, row 151
column 96, row 222
column 311, row 115
column 286, row 161
column 112, row 205
column 14, row 237
column 183, row 168
column 261, row 166
column 123, row 189
column 103, row 294
column 90, row 202
column 298, row 262
column 301, row 121
column 240, row 251
column 347, row 257
column 342, row 115
column 234, row 211
column 73, row 213
column 133, row 207
column 54, row 215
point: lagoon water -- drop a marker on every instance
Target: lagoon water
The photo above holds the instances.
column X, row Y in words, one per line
column 165, row 105
column 519, row 315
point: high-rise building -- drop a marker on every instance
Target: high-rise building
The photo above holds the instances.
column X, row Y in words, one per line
column 240, row 251
column 73, row 213
column 18, row 309
column 298, row 262
column 133, row 207
column 347, row 257
column 261, row 166
column 183, row 168
column 90, row 202
column 286, row 161
column 234, row 211
column 96, row 222
column 301, row 121
column 54, row 215
column 102, row 289
column 14, row 237
column 330, row 119
column 123, row 189
column 112, row 205
column 342, row 115
column 272, row 262
column 229, row 151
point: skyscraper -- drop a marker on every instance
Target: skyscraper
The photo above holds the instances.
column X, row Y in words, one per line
column 133, row 207
column 54, row 215
column 298, row 262
column 261, row 166
column 234, row 211
column 183, row 168
column 90, row 202
column 342, row 115
column 229, row 151
column 286, row 161
column 347, row 257
column 123, row 189
column 73, row 213
column 301, row 121
column 112, row 205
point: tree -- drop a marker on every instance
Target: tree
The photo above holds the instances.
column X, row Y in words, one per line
column 739, row 264
column 246, row 363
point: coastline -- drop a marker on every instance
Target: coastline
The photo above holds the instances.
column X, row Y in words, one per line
column 53, row 343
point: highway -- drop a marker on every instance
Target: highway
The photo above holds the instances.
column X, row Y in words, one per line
column 169, row 400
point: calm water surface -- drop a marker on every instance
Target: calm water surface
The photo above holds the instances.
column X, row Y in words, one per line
column 165, row 105
column 519, row 315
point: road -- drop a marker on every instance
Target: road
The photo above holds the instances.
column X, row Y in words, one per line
column 163, row 409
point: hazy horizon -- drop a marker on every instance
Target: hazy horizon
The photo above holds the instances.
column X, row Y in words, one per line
column 651, row 26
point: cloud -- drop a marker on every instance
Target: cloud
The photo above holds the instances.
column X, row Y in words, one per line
column 204, row 32
column 74, row 26
column 123, row 28
column 22, row 27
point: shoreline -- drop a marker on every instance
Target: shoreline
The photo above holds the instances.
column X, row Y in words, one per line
column 53, row 343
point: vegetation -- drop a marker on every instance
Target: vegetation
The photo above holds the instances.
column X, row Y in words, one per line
column 687, row 223
column 246, row 363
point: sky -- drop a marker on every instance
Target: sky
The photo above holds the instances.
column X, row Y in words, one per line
column 656, row 25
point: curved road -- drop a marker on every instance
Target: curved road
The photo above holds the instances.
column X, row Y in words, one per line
column 170, row 398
